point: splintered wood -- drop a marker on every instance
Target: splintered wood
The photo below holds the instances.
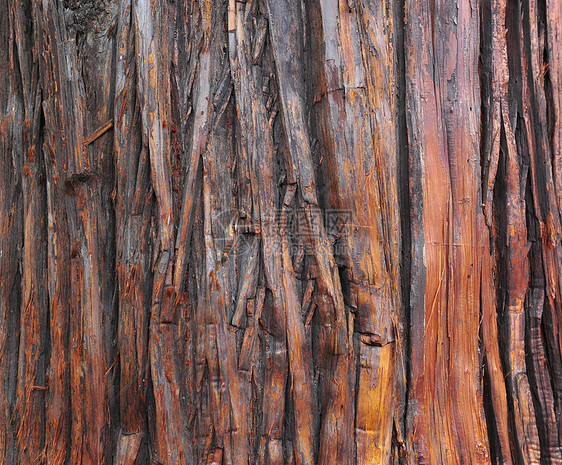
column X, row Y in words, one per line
column 280, row 232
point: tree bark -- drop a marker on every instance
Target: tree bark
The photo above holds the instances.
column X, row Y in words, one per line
column 280, row 232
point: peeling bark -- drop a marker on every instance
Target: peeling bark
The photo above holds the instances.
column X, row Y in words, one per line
column 280, row 232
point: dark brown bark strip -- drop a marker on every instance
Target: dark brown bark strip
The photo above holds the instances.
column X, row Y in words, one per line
column 286, row 345
column 152, row 47
column 504, row 144
column 335, row 337
column 492, row 351
column 30, row 406
column 552, row 73
column 57, row 440
column 12, row 116
column 133, row 206
column 546, row 212
column 79, row 179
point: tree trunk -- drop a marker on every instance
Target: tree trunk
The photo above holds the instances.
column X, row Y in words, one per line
column 281, row 232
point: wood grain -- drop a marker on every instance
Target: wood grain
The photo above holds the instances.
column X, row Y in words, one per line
column 280, row 232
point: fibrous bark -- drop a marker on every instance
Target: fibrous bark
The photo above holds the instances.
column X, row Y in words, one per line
column 280, row 232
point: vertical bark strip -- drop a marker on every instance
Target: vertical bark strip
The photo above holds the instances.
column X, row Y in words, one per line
column 552, row 74
column 58, row 417
column 30, row 406
column 154, row 93
column 12, row 116
column 335, row 340
column 446, row 419
column 133, row 204
column 360, row 78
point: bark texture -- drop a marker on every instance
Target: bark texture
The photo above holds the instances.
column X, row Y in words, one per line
column 281, row 232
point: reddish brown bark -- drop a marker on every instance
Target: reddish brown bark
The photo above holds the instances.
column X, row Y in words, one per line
column 280, row 232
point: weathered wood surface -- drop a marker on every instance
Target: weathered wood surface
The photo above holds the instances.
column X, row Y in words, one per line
column 280, row 232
